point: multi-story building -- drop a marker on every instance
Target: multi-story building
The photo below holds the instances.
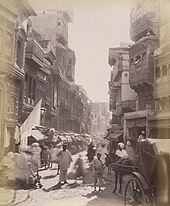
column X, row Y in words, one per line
column 122, row 97
column 159, row 120
column 13, row 35
column 100, row 118
column 39, row 63
column 144, row 32
column 69, row 106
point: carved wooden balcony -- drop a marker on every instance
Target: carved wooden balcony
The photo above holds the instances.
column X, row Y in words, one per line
column 142, row 25
column 141, row 56
column 34, row 52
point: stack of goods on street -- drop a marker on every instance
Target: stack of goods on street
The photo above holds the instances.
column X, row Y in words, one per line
column 21, row 168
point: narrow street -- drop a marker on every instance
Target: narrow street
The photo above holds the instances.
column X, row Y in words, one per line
column 81, row 195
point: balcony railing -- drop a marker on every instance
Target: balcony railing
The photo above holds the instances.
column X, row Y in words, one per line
column 34, row 51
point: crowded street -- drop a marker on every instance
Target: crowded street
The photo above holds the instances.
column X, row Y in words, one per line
column 84, row 103
column 71, row 194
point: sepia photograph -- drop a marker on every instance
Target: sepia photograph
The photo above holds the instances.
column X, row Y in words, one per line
column 85, row 103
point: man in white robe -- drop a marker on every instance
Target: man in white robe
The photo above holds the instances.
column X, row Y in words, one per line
column 64, row 163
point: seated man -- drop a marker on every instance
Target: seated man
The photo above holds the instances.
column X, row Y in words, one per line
column 124, row 158
column 121, row 152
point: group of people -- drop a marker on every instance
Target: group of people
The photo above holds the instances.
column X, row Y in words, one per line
column 27, row 162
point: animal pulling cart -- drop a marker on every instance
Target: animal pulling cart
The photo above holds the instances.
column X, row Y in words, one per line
column 149, row 183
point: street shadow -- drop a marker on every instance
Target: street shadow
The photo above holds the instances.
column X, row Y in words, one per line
column 55, row 187
column 105, row 197
column 88, row 176
column 49, row 177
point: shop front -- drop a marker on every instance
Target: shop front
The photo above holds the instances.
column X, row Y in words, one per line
column 134, row 124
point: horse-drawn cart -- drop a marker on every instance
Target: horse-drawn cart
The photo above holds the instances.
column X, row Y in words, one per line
column 150, row 184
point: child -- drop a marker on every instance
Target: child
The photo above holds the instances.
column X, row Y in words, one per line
column 98, row 171
column 79, row 168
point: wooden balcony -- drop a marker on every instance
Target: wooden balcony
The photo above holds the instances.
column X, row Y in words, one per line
column 34, row 52
column 142, row 25
column 141, row 56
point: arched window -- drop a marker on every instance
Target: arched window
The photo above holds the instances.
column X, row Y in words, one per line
column 157, row 73
column 164, row 71
column 137, row 59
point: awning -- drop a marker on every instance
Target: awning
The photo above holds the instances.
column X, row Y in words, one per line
column 138, row 122
column 38, row 135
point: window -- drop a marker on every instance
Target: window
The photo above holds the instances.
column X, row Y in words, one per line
column 164, row 71
column 137, row 59
column 157, row 73
column 126, row 74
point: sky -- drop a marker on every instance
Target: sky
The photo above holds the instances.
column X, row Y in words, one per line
column 95, row 29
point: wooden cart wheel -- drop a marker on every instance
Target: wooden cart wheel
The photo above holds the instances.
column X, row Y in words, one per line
column 134, row 194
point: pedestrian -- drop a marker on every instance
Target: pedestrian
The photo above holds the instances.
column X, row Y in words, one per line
column 142, row 137
column 51, row 156
column 90, row 152
column 98, row 171
column 56, row 152
column 36, row 159
column 45, row 156
column 79, row 168
column 64, row 163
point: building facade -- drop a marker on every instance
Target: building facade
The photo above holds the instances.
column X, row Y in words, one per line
column 67, row 100
column 122, row 97
column 144, row 32
column 100, row 119
column 159, row 119
column 13, row 36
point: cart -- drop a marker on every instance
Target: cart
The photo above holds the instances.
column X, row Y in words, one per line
column 150, row 186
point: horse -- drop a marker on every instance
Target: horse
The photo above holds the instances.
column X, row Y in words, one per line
column 121, row 168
